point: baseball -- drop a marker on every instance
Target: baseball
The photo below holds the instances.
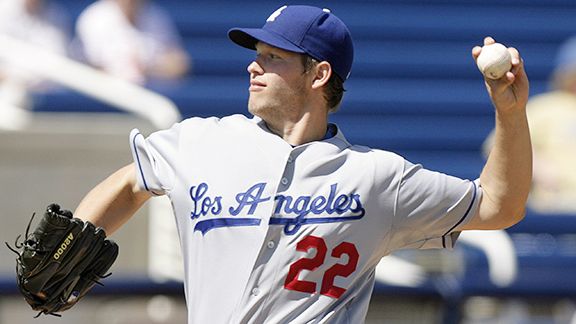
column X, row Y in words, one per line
column 494, row 61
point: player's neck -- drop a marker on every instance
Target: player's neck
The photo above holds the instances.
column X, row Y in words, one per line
column 306, row 129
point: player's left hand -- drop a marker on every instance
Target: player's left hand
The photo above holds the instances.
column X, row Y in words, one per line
column 61, row 260
column 510, row 92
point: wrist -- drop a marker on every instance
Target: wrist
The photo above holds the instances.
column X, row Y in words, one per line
column 517, row 112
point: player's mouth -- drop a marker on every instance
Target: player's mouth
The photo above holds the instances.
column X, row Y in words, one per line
column 256, row 85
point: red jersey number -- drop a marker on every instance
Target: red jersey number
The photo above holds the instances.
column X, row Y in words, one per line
column 337, row 270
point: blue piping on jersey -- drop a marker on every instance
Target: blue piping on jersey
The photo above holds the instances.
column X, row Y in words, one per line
column 138, row 161
column 462, row 219
column 206, row 225
column 140, row 165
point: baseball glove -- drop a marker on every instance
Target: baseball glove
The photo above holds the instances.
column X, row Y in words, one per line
column 61, row 260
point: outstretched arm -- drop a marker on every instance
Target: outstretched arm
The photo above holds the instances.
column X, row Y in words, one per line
column 507, row 174
column 112, row 202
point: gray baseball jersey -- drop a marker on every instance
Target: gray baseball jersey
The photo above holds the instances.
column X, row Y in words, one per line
column 272, row 233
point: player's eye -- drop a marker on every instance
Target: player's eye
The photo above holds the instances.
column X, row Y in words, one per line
column 269, row 56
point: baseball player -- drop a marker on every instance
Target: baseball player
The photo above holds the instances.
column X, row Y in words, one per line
column 280, row 218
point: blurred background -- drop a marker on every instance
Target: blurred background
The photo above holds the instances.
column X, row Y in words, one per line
column 77, row 75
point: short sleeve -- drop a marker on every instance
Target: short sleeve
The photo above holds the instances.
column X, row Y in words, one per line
column 155, row 159
column 431, row 208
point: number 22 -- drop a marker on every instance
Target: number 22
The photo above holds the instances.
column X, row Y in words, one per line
column 337, row 270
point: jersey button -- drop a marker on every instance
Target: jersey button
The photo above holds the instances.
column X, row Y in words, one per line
column 290, row 159
column 271, row 244
column 255, row 291
column 284, row 181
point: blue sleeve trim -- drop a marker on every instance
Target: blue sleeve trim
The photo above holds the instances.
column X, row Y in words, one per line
column 461, row 219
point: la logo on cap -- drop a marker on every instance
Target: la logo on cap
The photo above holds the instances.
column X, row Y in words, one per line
column 275, row 14
column 278, row 11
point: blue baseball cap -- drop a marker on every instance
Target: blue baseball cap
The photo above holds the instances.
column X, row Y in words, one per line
column 303, row 29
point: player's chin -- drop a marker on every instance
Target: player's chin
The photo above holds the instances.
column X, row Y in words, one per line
column 262, row 107
column 259, row 111
column 251, row 108
column 254, row 107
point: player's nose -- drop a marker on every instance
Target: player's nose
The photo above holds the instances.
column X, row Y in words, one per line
column 254, row 68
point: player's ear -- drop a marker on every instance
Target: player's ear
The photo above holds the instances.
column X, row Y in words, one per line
column 323, row 72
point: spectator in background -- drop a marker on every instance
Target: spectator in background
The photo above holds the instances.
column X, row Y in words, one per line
column 552, row 120
column 132, row 39
column 37, row 22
